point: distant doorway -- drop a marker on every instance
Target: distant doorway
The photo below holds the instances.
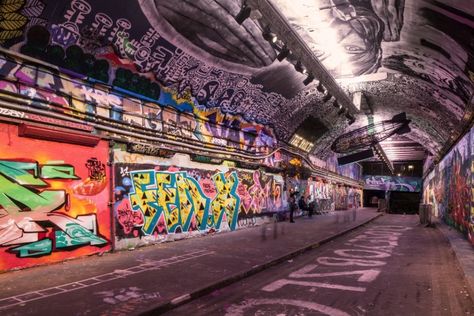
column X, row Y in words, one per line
column 372, row 197
column 404, row 202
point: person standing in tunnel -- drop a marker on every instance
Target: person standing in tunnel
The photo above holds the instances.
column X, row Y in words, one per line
column 292, row 204
column 302, row 204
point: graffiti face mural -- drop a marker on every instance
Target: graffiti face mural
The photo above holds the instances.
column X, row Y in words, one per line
column 53, row 200
column 222, row 68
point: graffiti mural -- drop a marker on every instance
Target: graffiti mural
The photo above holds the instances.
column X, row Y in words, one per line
column 91, row 38
column 148, row 47
column 259, row 192
column 353, row 171
column 449, row 187
column 388, row 183
column 341, row 197
column 459, row 197
column 157, row 200
column 17, row 16
column 322, row 192
column 53, row 200
column 174, row 116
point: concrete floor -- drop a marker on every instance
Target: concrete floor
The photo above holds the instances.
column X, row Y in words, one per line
column 274, row 269
column 389, row 267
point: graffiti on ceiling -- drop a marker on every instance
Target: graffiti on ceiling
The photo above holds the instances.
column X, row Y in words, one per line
column 421, row 45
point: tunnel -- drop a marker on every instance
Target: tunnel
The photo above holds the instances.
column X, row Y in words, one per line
column 161, row 133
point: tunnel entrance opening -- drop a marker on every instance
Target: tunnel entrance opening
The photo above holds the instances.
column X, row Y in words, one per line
column 403, row 202
column 372, row 197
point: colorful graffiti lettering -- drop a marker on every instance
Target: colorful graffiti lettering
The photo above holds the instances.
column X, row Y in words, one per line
column 226, row 203
column 179, row 201
column 96, row 169
column 208, row 125
column 259, row 192
column 22, row 191
column 52, row 207
column 128, row 219
column 151, row 201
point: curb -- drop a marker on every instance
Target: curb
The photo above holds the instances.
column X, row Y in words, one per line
column 457, row 244
column 186, row 298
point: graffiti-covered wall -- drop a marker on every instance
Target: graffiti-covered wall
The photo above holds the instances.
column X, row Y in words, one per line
column 157, row 197
column 353, row 171
column 388, row 183
column 173, row 115
column 449, row 187
column 117, row 45
column 330, row 196
column 53, row 200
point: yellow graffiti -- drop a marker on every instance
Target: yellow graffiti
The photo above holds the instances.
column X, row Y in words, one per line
column 226, row 200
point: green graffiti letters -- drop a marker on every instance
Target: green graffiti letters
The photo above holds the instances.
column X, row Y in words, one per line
column 28, row 221
column 18, row 181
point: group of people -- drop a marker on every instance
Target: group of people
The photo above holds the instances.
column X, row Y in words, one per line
column 302, row 205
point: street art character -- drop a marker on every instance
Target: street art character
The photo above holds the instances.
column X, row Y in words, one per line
column 391, row 14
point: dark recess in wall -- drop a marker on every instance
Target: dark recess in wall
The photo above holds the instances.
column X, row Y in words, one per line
column 311, row 129
column 404, row 202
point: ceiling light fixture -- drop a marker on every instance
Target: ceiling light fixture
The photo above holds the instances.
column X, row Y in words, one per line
column 327, row 97
column 269, row 36
column 351, row 119
column 243, row 14
column 308, row 80
column 320, row 88
column 283, row 54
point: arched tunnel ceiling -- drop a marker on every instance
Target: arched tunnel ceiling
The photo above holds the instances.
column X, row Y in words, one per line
column 425, row 47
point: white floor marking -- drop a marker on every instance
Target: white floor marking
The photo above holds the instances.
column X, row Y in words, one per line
column 377, row 242
column 382, row 248
column 382, row 233
column 240, row 310
column 11, row 301
column 357, row 253
column 334, row 261
column 365, row 275
column 282, row 282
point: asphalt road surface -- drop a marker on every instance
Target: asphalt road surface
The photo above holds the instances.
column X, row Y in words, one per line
column 392, row 266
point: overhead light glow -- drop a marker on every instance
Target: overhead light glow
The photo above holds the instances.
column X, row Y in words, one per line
column 326, row 34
